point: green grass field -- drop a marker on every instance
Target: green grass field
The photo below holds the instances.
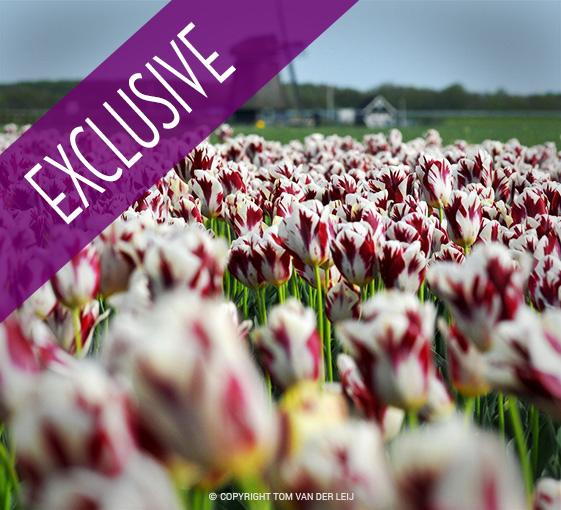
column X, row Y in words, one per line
column 530, row 131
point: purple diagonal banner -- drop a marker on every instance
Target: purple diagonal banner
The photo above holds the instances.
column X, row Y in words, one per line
column 123, row 127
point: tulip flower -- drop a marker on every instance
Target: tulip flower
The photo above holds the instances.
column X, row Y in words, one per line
column 64, row 328
column 340, row 186
column 402, row 232
column 547, row 495
column 491, row 231
column 118, row 255
column 525, row 238
column 413, row 227
column 486, row 195
column 425, row 228
column 529, row 204
column 189, row 208
column 342, row 301
column 502, row 183
column 464, row 214
column 306, row 233
column 241, row 262
column 467, row 366
column 435, row 177
column 272, row 261
column 233, row 177
column 440, row 405
column 544, row 283
column 376, row 143
column 143, row 485
column 41, row 303
column 309, row 414
column 199, row 380
column 449, row 252
column 77, row 283
column 305, row 409
column 408, row 206
column 208, row 189
column 282, row 170
column 395, row 138
column 485, row 290
column 355, row 390
column 391, row 345
column 283, row 187
column 224, row 132
column 450, row 465
column 78, row 418
column 402, row 265
column 346, row 458
column 526, row 359
column 202, row 157
column 19, row 363
column 433, row 138
column 185, row 257
column 155, row 203
column 283, row 205
column 289, row 346
column 126, row 239
column 389, row 419
column 243, row 214
column 552, row 192
column 475, row 169
column 354, row 253
column 397, row 180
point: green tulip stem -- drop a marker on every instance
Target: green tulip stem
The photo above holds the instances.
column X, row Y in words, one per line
column 501, row 407
column 521, row 445
column 77, row 330
column 326, row 343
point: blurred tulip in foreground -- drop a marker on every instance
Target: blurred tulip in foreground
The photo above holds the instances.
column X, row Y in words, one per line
column 143, row 485
column 389, row 419
column 485, row 290
column 289, row 346
column 198, row 380
column 391, row 344
column 547, row 495
column 449, row 465
column 77, row 418
column 77, row 283
column 346, row 459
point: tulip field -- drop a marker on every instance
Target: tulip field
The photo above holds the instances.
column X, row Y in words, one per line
column 330, row 323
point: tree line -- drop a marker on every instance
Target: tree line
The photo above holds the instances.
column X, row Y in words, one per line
column 453, row 97
column 42, row 95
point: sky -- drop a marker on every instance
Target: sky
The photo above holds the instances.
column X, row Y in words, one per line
column 484, row 45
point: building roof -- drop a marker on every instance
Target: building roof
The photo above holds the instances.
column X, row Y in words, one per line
column 379, row 104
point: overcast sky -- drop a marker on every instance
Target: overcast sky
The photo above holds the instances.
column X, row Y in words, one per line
column 485, row 45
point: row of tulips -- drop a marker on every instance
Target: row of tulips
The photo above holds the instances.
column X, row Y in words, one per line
column 379, row 319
